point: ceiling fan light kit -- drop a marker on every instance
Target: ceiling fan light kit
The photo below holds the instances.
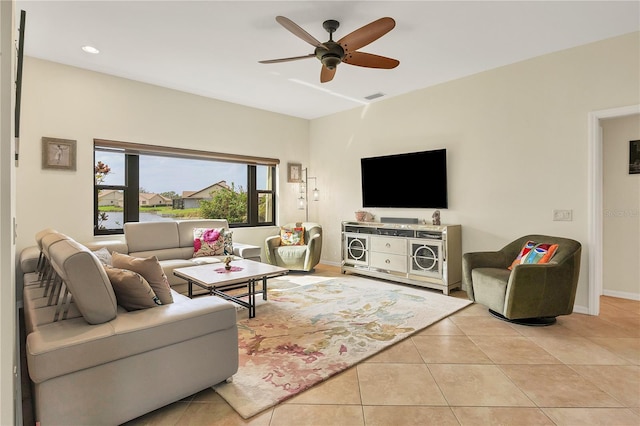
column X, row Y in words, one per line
column 332, row 53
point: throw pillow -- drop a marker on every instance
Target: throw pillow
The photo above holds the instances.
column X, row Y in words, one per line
column 534, row 252
column 132, row 291
column 150, row 269
column 103, row 255
column 292, row 236
column 228, row 242
column 208, row 242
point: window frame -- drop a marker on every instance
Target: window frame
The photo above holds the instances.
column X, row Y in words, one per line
column 132, row 153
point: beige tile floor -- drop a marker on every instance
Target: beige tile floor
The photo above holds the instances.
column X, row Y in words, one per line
column 468, row 369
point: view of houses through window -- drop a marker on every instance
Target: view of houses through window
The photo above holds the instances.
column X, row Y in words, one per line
column 145, row 187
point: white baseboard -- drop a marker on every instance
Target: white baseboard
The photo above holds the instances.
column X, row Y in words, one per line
column 578, row 309
column 621, row 294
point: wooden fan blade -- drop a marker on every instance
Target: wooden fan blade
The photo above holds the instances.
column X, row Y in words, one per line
column 297, row 31
column 370, row 60
column 294, row 58
column 365, row 35
column 326, row 74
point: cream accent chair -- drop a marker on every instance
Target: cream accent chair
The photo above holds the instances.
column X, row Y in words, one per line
column 296, row 258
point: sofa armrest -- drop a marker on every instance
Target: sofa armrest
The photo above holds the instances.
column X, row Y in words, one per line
column 270, row 243
column 29, row 259
column 246, row 251
column 314, row 248
column 538, row 290
column 481, row 259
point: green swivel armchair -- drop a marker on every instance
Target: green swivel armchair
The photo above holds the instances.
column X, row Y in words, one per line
column 303, row 257
column 529, row 294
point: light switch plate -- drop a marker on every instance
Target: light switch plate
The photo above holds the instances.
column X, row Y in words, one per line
column 562, row 215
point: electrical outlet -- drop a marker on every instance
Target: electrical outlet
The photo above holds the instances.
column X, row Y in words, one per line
column 563, row 215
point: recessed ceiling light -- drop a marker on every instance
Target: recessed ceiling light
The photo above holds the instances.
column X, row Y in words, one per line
column 90, row 49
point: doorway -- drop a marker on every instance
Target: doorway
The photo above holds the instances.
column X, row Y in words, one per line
column 595, row 174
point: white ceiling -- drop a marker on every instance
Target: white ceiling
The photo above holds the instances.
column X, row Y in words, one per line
column 212, row 48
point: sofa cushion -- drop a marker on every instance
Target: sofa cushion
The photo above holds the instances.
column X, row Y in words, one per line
column 150, row 269
column 208, row 242
column 493, row 282
column 227, row 239
column 133, row 292
column 86, row 279
column 150, row 236
column 103, row 255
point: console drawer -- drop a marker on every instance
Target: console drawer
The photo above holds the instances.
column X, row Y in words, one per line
column 389, row 245
column 392, row 262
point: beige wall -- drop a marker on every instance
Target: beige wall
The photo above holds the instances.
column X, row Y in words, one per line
column 516, row 140
column 621, row 215
column 65, row 102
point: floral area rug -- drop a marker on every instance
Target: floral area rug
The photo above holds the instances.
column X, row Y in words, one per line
column 308, row 332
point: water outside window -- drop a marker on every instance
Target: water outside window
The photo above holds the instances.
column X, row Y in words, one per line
column 176, row 188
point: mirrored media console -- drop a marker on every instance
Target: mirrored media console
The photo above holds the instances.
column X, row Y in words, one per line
column 422, row 255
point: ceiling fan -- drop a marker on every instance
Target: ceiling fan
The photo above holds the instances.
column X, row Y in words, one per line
column 331, row 53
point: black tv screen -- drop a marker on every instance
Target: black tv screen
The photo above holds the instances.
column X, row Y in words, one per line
column 413, row 180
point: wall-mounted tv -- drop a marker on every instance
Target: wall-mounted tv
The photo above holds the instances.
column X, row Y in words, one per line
column 412, row 180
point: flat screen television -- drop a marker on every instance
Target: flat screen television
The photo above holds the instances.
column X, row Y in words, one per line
column 412, row 180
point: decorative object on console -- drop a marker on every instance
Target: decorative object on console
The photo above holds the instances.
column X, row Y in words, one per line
column 227, row 263
column 58, row 154
column 435, row 218
column 363, row 216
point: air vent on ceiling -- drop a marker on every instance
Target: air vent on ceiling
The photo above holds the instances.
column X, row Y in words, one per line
column 374, row 96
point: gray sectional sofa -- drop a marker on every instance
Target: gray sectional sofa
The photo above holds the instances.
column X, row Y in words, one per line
column 93, row 362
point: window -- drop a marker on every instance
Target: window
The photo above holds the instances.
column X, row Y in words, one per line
column 143, row 183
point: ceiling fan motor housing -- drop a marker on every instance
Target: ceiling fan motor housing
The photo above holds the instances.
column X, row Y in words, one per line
column 330, row 54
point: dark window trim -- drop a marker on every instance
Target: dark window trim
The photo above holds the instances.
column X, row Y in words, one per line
column 142, row 149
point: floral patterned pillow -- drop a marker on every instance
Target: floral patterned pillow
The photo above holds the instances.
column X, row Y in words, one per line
column 208, row 242
column 292, row 236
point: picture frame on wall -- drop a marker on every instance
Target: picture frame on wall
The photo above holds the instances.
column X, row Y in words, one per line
column 294, row 172
column 58, row 154
column 634, row 157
